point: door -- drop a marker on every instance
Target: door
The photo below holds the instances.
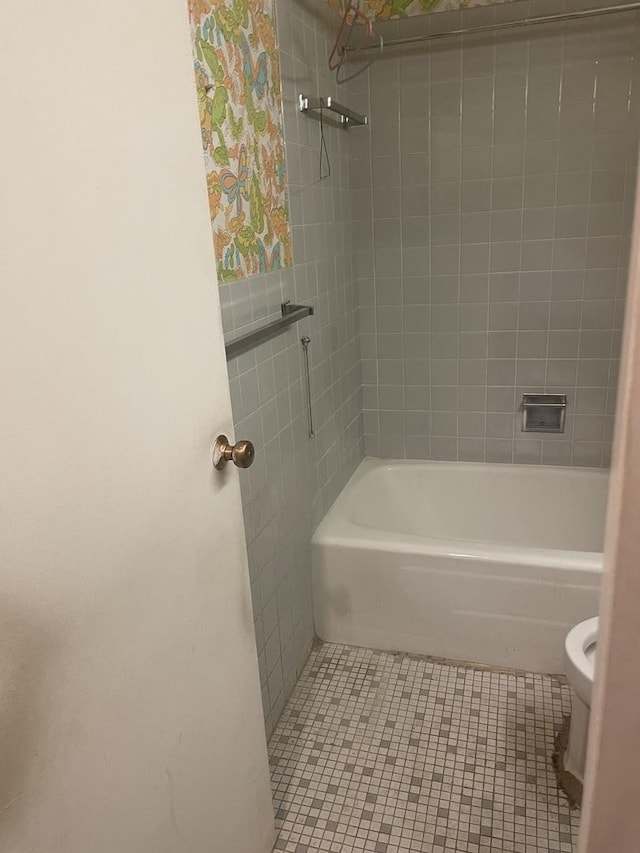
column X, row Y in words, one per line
column 611, row 821
column 130, row 718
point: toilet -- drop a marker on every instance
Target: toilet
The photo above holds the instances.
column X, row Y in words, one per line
column 580, row 653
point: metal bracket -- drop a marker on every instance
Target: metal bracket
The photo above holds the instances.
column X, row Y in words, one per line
column 331, row 112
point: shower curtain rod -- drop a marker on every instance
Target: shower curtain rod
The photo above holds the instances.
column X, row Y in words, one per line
column 505, row 25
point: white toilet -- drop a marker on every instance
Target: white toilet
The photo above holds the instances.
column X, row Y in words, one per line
column 580, row 653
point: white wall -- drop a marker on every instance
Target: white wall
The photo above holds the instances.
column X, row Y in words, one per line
column 129, row 692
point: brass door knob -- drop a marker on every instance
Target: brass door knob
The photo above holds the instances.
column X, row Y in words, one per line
column 241, row 453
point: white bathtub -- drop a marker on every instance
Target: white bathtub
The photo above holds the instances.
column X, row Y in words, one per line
column 486, row 563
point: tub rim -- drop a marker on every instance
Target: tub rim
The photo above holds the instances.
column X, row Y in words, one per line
column 336, row 529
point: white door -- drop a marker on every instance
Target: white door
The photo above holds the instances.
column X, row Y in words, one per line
column 130, row 717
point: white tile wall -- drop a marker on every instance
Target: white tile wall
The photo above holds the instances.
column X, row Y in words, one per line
column 294, row 479
column 499, row 204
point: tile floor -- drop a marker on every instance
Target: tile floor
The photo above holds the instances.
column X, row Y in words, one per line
column 388, row 753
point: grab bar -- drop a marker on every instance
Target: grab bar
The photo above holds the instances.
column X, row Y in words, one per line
column 290, row 314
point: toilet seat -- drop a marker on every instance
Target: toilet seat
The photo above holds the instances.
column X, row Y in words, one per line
column 580, row 651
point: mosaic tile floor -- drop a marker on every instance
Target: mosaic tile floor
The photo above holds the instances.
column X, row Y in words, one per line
column 392, row 754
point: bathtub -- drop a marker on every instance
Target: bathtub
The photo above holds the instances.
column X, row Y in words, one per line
column 477, row 562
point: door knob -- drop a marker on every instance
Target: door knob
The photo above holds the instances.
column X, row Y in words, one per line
column 241, row 453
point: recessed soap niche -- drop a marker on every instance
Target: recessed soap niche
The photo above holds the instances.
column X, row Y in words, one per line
column 543, row 412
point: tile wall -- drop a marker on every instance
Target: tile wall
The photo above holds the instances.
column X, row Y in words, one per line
column 498, row 198
column 294, row 478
